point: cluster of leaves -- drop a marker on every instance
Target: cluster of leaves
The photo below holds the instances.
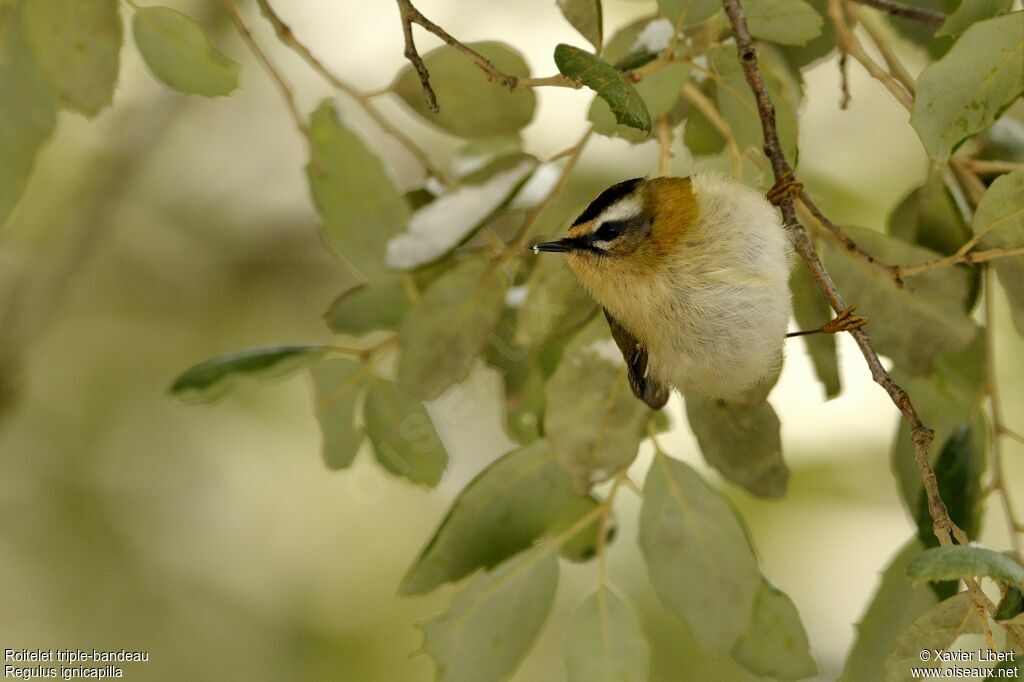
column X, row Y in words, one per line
column 446, row 283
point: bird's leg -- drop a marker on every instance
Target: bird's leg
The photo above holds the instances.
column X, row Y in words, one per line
column 843, row 322
column 784, row 187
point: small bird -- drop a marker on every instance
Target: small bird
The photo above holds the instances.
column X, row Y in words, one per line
column 693, row 276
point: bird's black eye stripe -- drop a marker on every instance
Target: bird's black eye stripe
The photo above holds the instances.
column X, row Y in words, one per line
column 606, row 199
column 610, row 230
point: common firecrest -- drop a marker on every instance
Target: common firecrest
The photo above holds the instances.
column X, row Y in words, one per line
column 693, row 276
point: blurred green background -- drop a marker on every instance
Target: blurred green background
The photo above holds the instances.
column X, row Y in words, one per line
column 171, row 229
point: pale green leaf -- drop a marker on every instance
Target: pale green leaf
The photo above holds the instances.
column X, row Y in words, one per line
column 445, row 332
column 582, row 546
column 698, row 555
column 493, row 619
column 1000, row 222
column 928, row 216
column 178, row 51
column 811, row 309
column 593, row 421
column 913, row 324
column 937, row 628
column 470, row 104
column 659, row 92
column 28, row 110
column 451, row 218
column 776, row 644
column 77, row 44
column 215, row 378
column 742, row 443
column 337, row 385
column 961, row 94
column 501, row 512
column 359, row 204
column 970, row 12
column 964, row 561
column 403, row 436
column 605, row 641
column 688, row 12
column 585, row 17
column 368, row 307
column 787, row 22
column 555, row 304
column 739, row 108
column 610, row 85
column 896, row 603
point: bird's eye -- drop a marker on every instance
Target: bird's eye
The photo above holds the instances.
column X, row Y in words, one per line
column 610, row 230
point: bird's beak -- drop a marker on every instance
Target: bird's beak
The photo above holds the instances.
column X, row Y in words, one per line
column 560, row 246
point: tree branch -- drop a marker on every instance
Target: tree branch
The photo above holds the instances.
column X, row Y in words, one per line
column 921, row 435
column 286, row 36
column 897, row 9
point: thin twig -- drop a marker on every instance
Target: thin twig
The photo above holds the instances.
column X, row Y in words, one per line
column 849, row 44
column 275, row 75
column 812, row 211
column 896, row 68
column 967, row 258
column 998, row 473
column 896, row 9
column 704, row 105
column 1003, row 430
column 921, row 435
column 664, row 131
column 991, row 167
column 844, row 79
column 363, row 99
column 411, row 15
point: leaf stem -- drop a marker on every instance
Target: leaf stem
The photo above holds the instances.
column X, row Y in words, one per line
column 897, row 9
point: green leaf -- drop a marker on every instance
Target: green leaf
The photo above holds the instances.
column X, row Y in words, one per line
column 1000, row 222
column 178, row 51
column 698, row 555
column 359, row 204
column 471, row 105
column 445, row 332
column 799, row 57
column 739, row 108
column 585, row 17
column 582, row 546
column 928, row 216
column 451, row 218
column 337, row 385
column 776, row 644
column 509, row 505
column 605, row 641
column 593, row 421
column 28, row 110
column 965, row 561
column 659, row 92
column 555, row 305
column 368, row 307
column 970, row 12
column 699, row 135
column 964, row 92
column 787, row 22
column 610, row 85
column 1011, row 605
column 76, row 42
column 811, row 309
column 897, row 602
column 493, row 620
column 688, row 12
column 742, row 443
column 211, row 380
column 914, row 324
column 403, row 436
column 938, row 628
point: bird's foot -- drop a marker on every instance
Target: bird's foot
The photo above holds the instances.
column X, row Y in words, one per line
column 786, row 186
column 845, row 321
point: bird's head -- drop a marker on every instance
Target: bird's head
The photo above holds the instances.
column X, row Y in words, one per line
column 631, row 227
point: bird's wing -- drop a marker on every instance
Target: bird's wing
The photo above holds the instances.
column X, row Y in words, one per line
column 644, row 387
